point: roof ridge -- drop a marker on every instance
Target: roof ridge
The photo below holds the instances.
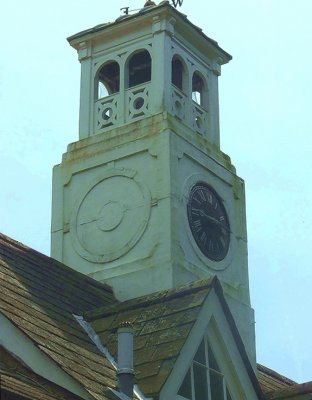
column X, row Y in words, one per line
column 34, row 282
column 150, row 299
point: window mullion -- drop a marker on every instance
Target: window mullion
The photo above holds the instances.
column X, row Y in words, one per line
column 207, row 369
column 192, row 382
column 224, row 389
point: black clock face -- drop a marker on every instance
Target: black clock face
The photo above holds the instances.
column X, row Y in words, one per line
column 208, row 221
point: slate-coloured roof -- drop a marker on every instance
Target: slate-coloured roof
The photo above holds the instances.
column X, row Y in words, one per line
column 161, row 323
column 16, row 379
column 39, row 295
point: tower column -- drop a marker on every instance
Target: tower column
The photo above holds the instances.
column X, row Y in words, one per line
column 86, row 86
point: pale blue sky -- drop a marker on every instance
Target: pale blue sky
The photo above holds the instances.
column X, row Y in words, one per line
column 266, row 126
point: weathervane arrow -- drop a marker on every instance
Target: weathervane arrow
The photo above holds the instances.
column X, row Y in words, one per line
column 149, row 3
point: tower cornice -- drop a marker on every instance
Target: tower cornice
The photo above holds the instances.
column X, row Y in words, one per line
column 146, row 16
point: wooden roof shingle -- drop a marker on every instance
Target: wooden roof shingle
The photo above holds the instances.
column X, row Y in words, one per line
column 161, row 324
column 17, row 379
column 271, row 381
column 39, row 296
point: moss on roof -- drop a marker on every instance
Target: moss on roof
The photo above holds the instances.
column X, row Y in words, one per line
column 39, row 295
column 161, row 324
column 270, row 380
column 17, row 379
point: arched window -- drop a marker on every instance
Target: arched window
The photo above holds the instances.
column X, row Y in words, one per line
column 139, row 68
column 108, row 79
column 198, row 90
column 177, row 73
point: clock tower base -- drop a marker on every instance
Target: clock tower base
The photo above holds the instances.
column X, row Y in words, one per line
column 120, row 212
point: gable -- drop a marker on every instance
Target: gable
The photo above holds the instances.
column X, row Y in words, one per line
column 161, row 324
column 169, row 326
column 213, row 327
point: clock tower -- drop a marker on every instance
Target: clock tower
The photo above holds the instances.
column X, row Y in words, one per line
column 145, row 200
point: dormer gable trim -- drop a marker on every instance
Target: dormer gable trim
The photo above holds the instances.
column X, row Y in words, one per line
column 215, row 322
column 22, row 348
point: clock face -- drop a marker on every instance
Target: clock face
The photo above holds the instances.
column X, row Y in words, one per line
column 208, row 221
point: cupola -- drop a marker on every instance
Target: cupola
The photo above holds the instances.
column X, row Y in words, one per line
column 151, row 62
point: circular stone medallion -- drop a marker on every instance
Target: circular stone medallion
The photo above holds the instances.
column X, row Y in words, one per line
column 111, row 217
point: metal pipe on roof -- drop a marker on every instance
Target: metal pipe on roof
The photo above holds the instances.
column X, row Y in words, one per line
column 97, row 341
column 125, row 371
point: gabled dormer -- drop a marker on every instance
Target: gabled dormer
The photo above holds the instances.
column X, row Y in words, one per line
column 186, row 344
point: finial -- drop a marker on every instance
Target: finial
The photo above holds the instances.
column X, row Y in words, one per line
column 149, row 3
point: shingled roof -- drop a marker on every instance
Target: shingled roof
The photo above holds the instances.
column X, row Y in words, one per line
column 272, row 381
column 39, row 296
column 278, row 387
column 161, row 323
column 17, row 379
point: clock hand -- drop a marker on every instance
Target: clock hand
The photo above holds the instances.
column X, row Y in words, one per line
column 214, row 220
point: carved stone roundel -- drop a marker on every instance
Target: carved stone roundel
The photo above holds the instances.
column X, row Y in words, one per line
column 111, row 217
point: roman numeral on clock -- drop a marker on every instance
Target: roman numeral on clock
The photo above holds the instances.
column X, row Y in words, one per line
column 202, row 195
column 195, row 211
column 203, row 238
column 197, row 225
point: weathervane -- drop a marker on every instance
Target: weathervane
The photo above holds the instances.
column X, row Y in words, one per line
column 150, row 3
